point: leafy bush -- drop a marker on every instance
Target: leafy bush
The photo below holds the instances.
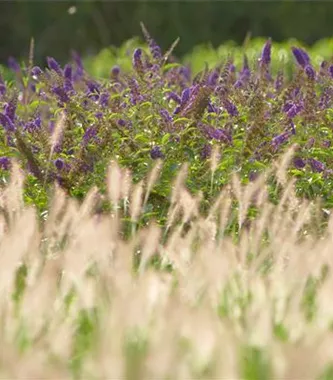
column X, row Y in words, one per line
column 203, row 254
column 238, row 114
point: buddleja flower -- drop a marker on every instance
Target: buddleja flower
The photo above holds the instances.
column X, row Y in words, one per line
column 13, row 64
column 33, row 126
column 7, row 123
column 3, row 88
column 294, row 110
column 316, row 166
column 211, row 108
column 59, row 163
column 156, row 153
column 53, row 65
column 61, row 93
column 115, row 71
column 104, row 99
column 280, row 139
column 299, row 163
column 167, row 118
column 173, row 96
column 36, row 71
column 68, row 76
column 198, row 101
column 93, row 88
column 135, row 95
column 244, row 74
column 206, row 151
column 310, row 72
column 301, row 56
column 68, row 72
column 253, row 175
column 137, row 61
column 266, row 53
column 185, row 96
column 279, row 81
column 89, row 134
column 4, row 163
column 326, row 143
column 331, row 71
column 230, row 107
column 216, row 134
column 213, row 78
column 323, row 68
column 10, row 109
column 153, row 47
column 121, row 123
column 78, row 74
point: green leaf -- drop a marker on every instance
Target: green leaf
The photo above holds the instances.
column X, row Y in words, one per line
column 165, row 138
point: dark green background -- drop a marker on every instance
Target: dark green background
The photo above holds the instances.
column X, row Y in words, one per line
column 98, row 24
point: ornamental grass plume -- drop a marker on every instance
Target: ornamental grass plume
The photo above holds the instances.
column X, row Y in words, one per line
column 88, row 300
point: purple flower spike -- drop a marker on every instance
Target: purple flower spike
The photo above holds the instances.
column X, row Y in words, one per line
column 61, row 94
column 310, row 73
column 137, row 60
column 280, row 139
column 230, row 107
column 10, row 109
column 218, row 134
column 104, row 99
column 79, row 66
column 93, row 87
column 293, row 111
column 239, row 83
column 253, row 175
column 326, row 143
column 34, row 125
column 299, row 163
column 316, row 166
column 185, row 96
column 211, row 108
column 173, row 96
column 89, row 134
column 7, row 123
column 59, row 163
column 301, row 56
column 206, row 151
column 121, row 123
column 213, row 78
column 156, row 153
column 279, row 81
column 266, row 53
column 135, row 95
column 115, row 71
column 4, row 163
column 68, row 71
column 36, row 71
column 2, row 89
column 53, row 65
column 166, row 116
column 153, row 47
column 13, row 64
column 331, row 70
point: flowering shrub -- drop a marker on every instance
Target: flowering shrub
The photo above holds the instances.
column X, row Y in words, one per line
column 180, row 266
column 65, row 125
